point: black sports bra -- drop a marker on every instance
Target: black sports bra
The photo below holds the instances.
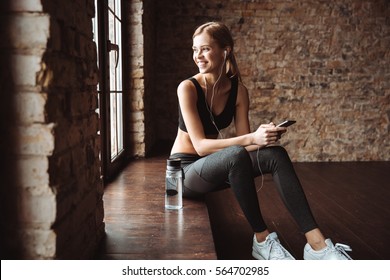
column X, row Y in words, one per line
column 222, row 120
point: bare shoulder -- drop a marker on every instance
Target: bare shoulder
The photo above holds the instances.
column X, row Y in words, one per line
column 242, row 93
column 186, row 92
column 185, row 86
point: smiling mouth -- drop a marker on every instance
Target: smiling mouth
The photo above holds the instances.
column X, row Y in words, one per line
column 201, row 64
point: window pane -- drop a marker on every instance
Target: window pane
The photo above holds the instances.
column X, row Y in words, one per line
column 116, row 114
column 114, row 139
column 120, row 122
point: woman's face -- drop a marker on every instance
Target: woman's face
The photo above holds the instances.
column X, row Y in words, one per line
column 207, row 54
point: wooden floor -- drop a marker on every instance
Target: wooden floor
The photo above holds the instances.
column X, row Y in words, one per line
column 351, row 202
column 139, row 227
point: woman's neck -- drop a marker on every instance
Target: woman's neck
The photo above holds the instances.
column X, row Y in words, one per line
column 216, row 85
column 212, row 79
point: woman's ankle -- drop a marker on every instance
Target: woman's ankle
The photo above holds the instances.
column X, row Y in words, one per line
column 261, row 236
column 316, row 239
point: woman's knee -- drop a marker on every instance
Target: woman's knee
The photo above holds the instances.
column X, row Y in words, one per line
column 236, row 151
column 238, row 154
column 279, row 153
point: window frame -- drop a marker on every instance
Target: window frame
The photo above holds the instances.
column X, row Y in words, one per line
column 110, row 166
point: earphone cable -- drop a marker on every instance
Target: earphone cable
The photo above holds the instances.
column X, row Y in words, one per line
column 261, row 172
column 210, row 108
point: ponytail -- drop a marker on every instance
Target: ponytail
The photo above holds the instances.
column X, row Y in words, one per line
column 232, row 67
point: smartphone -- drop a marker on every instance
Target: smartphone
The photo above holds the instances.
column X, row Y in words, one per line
column 286, row 123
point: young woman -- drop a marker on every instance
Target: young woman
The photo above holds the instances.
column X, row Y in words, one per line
column 209, row 102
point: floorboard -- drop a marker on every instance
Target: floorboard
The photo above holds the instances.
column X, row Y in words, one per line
column 350, row 201
column 139, row 227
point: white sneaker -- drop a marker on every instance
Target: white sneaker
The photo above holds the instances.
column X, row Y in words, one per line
column 270, row 249
column 330, row 252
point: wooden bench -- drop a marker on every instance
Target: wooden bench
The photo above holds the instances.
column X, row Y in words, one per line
column 139, row 227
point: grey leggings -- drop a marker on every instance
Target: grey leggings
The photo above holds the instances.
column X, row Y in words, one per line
column 237, row 167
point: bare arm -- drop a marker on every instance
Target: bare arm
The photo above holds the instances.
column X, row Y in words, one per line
column 203, row 145
column 265, row 135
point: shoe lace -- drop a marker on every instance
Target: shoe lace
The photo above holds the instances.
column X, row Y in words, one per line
column 342, row 248
column 277, row 249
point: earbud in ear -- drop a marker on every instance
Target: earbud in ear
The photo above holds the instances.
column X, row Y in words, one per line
column 225, row 53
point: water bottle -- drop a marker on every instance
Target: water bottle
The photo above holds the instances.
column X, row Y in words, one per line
column 174, row 185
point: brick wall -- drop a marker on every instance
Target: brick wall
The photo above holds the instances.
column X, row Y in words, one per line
column 140, row 45
column 149, row 28
column 52, row 202
column 322, row 63
column 135, row 121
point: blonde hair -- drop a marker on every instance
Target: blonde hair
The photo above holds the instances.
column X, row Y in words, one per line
column 222, row 36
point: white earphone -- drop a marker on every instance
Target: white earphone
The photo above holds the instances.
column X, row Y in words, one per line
column 225, row 53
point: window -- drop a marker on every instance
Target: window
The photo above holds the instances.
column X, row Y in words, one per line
column 115, row 51
column 108, row 36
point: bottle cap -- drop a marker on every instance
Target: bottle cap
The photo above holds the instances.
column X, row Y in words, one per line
column 174, row 163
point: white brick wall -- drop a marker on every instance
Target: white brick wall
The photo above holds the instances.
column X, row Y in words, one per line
column 36, row 139
column 30, row 107
column 29, row 31
column 52, row 127
column 32, row 173
column 25, row 68
column 26, row 5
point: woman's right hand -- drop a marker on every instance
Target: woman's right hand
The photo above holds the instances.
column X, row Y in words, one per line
column 267, row 134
